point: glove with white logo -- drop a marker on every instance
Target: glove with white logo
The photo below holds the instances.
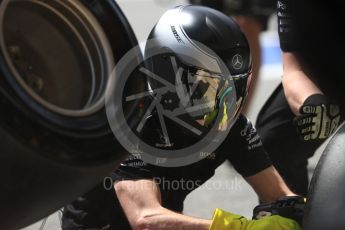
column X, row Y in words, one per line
column 319, row 118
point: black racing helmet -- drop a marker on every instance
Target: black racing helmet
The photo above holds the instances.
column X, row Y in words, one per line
column 204, row 54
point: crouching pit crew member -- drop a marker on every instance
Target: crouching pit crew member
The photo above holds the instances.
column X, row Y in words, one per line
column 197, row 88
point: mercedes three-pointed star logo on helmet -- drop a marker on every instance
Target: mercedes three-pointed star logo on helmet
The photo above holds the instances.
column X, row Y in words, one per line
column 237, row 62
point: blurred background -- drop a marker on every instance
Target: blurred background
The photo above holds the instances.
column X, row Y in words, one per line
column 226, row 189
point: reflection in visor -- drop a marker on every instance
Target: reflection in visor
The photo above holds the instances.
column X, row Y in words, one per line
column 209, row 92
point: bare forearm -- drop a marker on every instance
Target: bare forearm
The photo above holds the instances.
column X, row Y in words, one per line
column 269, row 185
column 166, row 220
column 297, row 85
column 144, row 211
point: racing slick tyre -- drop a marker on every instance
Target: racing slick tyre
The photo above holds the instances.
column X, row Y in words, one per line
column 56, row 57
column 326, row 200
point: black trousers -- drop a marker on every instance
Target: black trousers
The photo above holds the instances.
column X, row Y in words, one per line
column 287, row 151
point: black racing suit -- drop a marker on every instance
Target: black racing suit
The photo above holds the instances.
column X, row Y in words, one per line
column 260, row 10
column 100, row 208
column 287, row 151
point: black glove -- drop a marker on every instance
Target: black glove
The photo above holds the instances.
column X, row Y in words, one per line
column 291, row 207
column 319, row 118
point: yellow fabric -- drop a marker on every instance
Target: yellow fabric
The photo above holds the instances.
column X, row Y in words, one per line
column 223, row 220
column 223, row 125
column 208, row 118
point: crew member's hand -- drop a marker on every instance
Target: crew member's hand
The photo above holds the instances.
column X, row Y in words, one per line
column 319, row 118
column 291, row 207
column 223, row 220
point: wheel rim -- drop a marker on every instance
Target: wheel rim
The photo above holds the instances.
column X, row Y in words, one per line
column 65, row 69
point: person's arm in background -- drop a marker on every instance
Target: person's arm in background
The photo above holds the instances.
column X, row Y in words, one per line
column 296, row 83
column 316, row 116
